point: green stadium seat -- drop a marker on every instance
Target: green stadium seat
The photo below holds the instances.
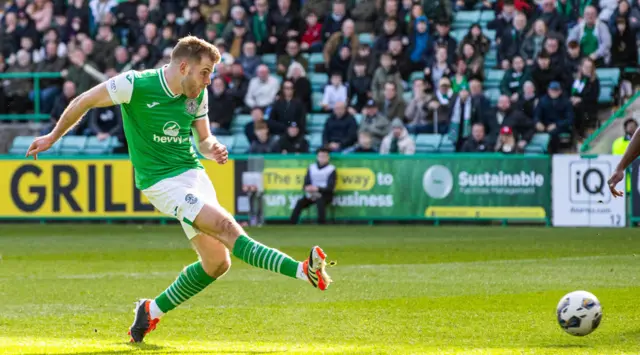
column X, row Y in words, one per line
column 227, row 141
column 459, row 34
column 366, row 38
column 239, row 122
column 491, row 59
column 94, row 146
column 416, row 75
column 240, row 143
column 493, row 78
column 492, row 95
column 318, row 81
column 317, row 121
column 464, row 19
column 315, row 141
column 427, row 143
column 358, row 118
column 608, row 76
column 316, row 100
column 72, row 145
column 407, row 96
column 20, row 145
column 315, row 59
column 491, row 35
column 606, row 95
column 538, row 143
column 270, row 60
column 446, row 146
column 486, row 17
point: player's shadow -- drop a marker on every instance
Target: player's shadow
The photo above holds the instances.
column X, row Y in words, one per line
column 564, row 346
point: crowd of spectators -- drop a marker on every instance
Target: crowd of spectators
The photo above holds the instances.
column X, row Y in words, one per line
column 375, row 103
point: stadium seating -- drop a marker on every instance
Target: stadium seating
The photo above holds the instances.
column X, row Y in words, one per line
column 239, row 122
column 539, row 144
column 318, row 81
column 315, row 141
column 73, row 145
column 270, row 60
column 427, row 143
column 20, row 145
column 94, row 146
column 240, row 144
column 464, row 19
column 606, row 95
column 493, row 78
column 317, row 121
column 446, row 146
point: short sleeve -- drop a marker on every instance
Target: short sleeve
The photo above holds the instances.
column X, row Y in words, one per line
column 203, row 109
column 120, row 87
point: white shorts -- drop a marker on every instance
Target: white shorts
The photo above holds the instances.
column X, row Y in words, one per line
column 182, row 197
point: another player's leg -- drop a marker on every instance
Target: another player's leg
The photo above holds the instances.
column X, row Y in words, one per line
column 215, row 220
column 214, row 261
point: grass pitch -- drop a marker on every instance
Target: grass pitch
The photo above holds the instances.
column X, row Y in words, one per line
column 69, row 289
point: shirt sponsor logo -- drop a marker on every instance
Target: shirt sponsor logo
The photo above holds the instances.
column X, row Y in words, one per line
column 171, row 132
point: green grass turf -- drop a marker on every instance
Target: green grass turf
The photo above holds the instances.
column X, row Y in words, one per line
column 69, row 289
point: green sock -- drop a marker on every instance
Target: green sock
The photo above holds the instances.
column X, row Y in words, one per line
column 191, row 280
column 260, row 256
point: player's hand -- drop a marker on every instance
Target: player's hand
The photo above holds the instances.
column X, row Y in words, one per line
column 220, row 153
column 615, row 178
column 39, row 145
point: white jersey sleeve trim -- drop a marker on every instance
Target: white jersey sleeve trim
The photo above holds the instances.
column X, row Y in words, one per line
column 120, row 87
column 203, row 109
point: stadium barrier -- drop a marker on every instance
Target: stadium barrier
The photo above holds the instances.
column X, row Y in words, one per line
column 559, row 190
column 36, row 115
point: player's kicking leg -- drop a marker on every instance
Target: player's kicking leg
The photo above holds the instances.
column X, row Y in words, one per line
column 215, row 220
column 214, row 261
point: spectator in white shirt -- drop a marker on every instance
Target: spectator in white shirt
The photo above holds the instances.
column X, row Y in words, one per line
column 262, row 89
column 336, row 92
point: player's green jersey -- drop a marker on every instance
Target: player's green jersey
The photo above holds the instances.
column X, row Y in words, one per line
column 157, row 124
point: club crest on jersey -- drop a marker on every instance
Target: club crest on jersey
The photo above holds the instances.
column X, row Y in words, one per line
column 191, row 199
column 192, row 106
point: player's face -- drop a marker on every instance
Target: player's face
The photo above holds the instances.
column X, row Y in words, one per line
column 198, row 77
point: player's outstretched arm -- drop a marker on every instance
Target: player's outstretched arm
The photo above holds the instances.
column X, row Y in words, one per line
column 98, row 96
column 631, row 153
column 208, row 145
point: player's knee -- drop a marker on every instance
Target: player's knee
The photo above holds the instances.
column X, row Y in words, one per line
column 218, row 266
column 227, row 225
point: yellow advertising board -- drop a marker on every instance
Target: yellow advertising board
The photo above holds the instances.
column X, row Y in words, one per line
column 100, row 188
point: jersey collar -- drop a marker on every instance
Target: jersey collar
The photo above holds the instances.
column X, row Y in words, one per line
column 163, row 83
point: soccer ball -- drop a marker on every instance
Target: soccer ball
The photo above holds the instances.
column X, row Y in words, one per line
column 579, row 313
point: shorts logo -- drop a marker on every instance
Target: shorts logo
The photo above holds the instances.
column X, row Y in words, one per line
column 171, row 129
column 191, row 106
column 191, row 199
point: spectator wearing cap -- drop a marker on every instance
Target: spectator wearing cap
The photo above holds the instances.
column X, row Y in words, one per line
column 507, row 115
column 249, row 60
column 477, row 142
column 288, row 109
column 584, row 94
column 398, row 141
column 334, row 93
column 238, row 36
column 507, row 142
column 374, row 123
column 333, row 22
column 293, row 141
column 594, row 37
column 554, row 114
column 262, row 89
column 512, row 39
column 359, row 86
column 543, row 73
column 346, row 36
column 221, row 107
column 340, row 129
column 292, row 55
column 514, row 77
column 417, row 114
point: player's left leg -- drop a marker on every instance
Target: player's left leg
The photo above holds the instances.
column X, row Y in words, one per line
column 214, row 261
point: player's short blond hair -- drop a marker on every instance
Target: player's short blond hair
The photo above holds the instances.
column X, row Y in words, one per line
column 193, row 49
